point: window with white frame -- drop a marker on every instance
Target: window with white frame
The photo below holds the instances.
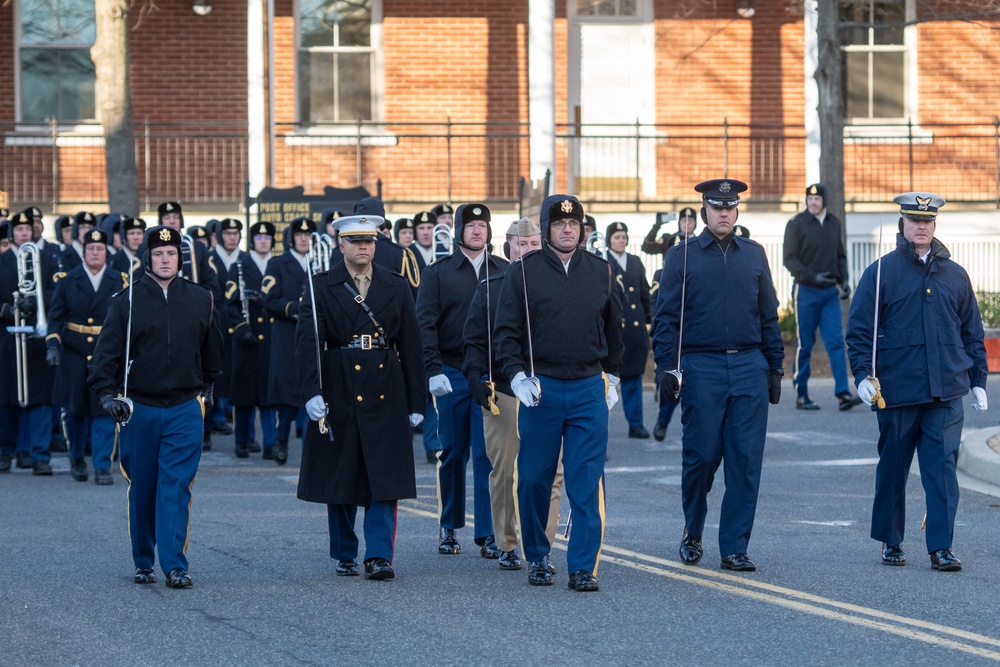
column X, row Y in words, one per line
column 874, row 52
column 335, row 70
column 605, row 7
column 57, row 76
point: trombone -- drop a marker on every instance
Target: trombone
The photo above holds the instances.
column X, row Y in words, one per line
column 29, row 284
column 595, row 244
column 320, row 250
column 444, row 242
column 189, row 259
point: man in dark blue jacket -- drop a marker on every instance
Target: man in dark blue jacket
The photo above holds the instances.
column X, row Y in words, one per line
column 930, row 352
column 730, row 354
column 558, row 331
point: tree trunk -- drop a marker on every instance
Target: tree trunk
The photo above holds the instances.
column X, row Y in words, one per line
column 829, row 80
column 111, row 60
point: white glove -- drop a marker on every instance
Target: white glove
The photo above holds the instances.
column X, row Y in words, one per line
column 439, row 384
column 416, row 418
column 866, row 391
column 980, row 403
column 316, row 408
column 612, row 396
column 527, row 390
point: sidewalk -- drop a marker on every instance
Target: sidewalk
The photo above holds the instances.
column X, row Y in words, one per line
column 976, row 459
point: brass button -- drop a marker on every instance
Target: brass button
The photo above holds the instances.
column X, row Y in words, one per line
column 230, row 331
column 633, row 306
column 381, row 397
column 260, row 337
column 928, row 290
column 90, row 320
column 635, row 324
column 272, row 320
column 631, row 289
column 88, row 357
column 380, row 366
column 359, row 398
column 260, row 320
column 90, row 339
column 357, row 367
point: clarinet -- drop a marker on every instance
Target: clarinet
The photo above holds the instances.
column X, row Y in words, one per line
column 244, row 299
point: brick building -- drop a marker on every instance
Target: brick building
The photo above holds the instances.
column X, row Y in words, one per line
column 629, row 102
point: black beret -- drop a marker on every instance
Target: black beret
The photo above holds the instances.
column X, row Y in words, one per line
column 231, row 223
column 197, row 232
column 566, row 208
column 474, row 212
column 168, row 207
column 299, row 226
column 265, row 228
column 721, row 192
column 128, row 224
column 161, row 235
column 688, row 212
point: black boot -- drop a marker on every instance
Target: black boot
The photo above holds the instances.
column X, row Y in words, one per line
column 281, row 451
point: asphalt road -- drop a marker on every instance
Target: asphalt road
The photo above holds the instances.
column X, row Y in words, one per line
column 265, row 591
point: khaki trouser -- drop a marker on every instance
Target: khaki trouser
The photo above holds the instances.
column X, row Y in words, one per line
column 502, row 444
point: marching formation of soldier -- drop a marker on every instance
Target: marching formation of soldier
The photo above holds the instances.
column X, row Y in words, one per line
column 137, row 342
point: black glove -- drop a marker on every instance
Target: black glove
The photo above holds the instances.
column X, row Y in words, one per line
column 480, row 393
column 117, row 409
column 774, row 376
column 245, row 335
column 255, row 299
column 52, row 356
column 845, row 290
column 668, row 384
column 27, row 305
column 825, row 279
column 208, row 398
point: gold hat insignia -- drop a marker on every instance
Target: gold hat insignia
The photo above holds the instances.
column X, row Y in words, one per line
column 305, row 226
column 725, row 187
column 813, row 190
column 95, row 235
column 169, row 207
column 566, row 206
column 164, row 234
column 477, row 211
column 923, row 203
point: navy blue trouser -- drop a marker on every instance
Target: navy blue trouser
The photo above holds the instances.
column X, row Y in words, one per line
column 571, row 415
column 287, row 415
column 432, row 441
column 243, row 424
column 379, row 527
column 101, row 430
column 631, row 393
column 724, row 414
column 34, row 432
column 818, row 308
column 460, row 425
column 160, row 452
column 9, row 429
column 934, row 432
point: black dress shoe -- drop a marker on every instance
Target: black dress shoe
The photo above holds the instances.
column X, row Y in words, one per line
column 538, row 572
column 222, row 428
column 638, row 432
column 144, row 575
column 378, row 569
column 206, row 445
column 253, row 447
column 738, row 563
column 509, row 560
column 78, row 470
column 582, row 581
column 660, row 431
column 41, row 468
column 22, row 460
column 347, row 568
column 4, row 462
column 945, row 561
column 690, row 550
column 805, row 403
column 242, row 451
column 102, row 477
column 848, row 400
column 281, row 451
column 489, row 548
column 449, row 543
column 179, row 578
column 432, row 456
column 893, row 555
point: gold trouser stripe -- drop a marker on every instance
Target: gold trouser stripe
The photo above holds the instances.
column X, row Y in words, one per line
column 517, row 506
column 187, row 531
column 600, row 509
column 83, row 328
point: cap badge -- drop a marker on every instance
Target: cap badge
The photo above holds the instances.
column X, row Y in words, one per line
column 363, row 219
column 566, row 206
column 813, row 190
column 923, row 203
column 169, row 207
column 725, row 186
column 164, row 234
column 304, row 226
column 95, row 235
column 477, row 211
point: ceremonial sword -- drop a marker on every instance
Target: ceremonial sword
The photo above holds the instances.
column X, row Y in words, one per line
column 492, row 398
column 677, row 372
column 877, row 400
column 527, row 323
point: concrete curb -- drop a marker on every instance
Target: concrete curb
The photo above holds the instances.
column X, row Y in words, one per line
column 976, row 459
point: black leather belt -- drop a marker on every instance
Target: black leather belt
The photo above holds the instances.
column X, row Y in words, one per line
column 366, row 342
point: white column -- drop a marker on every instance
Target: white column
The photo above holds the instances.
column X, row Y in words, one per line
column 811, row 120
column 256, row 99
column 541, row 87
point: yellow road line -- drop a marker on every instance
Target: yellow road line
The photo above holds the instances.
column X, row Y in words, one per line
column 903, row 626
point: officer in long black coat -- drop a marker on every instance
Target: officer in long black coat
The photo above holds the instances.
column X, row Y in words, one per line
column 76, row 314
column 283, row 287
column 251, row 342
column 373, row 382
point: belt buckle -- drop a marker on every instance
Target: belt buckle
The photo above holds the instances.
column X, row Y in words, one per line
column 366, row 342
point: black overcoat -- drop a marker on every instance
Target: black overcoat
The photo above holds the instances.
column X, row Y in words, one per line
column 284, row 282
column 635, row 315
column 370, row 392
column 248, row 387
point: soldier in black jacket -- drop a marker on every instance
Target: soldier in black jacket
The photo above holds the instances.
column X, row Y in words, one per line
column 446, row 291
column 372, row 379
column 631, row 277
column 174, row 355
column 72, row 254
column 128, row 258
column 555, row 367
column 815, row 256
column 225, row 254
column 482, row 366
column 78, row 309
column 283, row 287
column 251, row 327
